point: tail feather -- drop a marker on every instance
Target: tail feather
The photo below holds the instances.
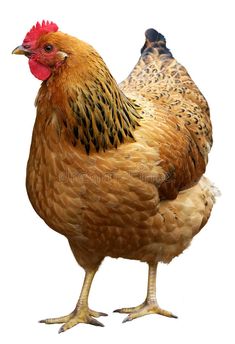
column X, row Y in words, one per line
column 155, row 40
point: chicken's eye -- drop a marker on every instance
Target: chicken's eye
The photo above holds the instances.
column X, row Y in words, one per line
column 48, row 48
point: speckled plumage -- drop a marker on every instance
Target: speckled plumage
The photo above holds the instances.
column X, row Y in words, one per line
column 119, row 169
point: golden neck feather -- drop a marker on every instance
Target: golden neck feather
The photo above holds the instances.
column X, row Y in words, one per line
column 104, row 116
column 94, row 112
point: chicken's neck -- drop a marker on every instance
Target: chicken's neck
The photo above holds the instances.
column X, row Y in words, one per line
column 103, row 117
column 94, row 115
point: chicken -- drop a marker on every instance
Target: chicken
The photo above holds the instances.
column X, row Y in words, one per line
column 116, row 169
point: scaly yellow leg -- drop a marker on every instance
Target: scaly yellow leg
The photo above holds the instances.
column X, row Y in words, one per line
column 150, row 305
column 81, row 313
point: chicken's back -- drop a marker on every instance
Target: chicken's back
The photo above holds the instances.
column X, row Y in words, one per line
column 162, row 81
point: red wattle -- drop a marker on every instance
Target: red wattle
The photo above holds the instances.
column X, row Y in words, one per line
column 40, row 71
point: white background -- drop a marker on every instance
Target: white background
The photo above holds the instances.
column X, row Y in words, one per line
column 39, row 276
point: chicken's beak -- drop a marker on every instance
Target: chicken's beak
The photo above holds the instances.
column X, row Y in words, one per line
column 20, row 50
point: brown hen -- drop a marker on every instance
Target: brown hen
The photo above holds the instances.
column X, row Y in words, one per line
column 117, row 169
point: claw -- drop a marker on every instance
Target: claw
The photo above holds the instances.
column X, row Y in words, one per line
column 126, row 320
column 61, row 330
column 174, row 316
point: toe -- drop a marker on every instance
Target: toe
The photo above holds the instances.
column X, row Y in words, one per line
column 95, row 322
column 60, row 320
column 129, row 309
column 97, row 314
column 165, row 313
column 67, row 326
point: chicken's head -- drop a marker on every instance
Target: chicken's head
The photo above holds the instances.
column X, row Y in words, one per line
column 41, row 47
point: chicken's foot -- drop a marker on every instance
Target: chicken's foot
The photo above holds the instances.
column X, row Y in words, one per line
column 150, row 305
column 81, row 313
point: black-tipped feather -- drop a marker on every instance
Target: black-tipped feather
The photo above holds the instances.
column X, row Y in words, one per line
column 155, row 39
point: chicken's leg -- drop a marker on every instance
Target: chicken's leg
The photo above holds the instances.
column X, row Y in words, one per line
column 81, row 313
column 150, row 305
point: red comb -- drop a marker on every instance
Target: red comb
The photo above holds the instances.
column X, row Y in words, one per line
column 39, row 29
